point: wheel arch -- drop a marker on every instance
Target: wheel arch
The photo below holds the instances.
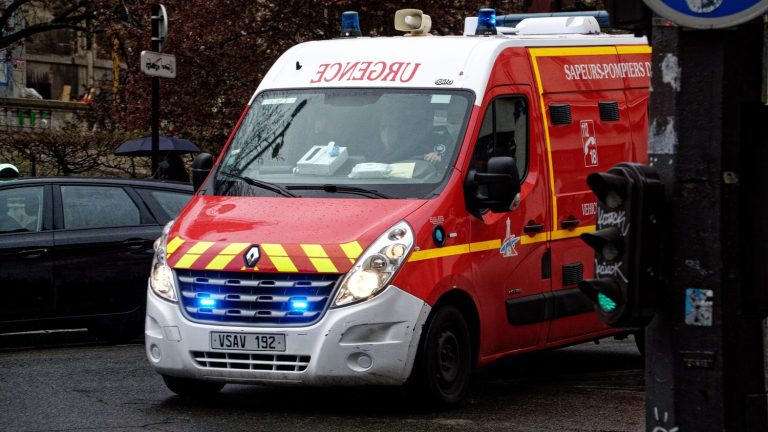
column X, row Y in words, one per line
column 466, row 305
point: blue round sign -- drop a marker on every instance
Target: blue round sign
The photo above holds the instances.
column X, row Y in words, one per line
column 708, row 13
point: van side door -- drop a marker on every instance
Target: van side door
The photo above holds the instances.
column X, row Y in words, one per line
column 510, row 259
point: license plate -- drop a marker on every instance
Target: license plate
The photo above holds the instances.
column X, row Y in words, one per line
column 247, row 341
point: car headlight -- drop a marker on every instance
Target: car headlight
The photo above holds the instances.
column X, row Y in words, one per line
column 376, row 266
column 161, row 279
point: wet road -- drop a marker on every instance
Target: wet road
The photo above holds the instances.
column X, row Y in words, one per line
column 84, row 386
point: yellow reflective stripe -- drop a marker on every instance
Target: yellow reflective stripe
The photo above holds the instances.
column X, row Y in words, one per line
column 439, row 252
column 173, row 245
column 563, row 234
column 283, row 264
column 200, row 247
column 324, row 265
column 634, row 49
column 226, row 256
column 540, row 87
column 319, row 258
column 279, row 257
column 352, row 249
column 220, row 262
column 538, row 238
column 574, row 51
column 484, row 246
column 314, row 251
column 193, row 254
column 274, row 250
column 234, row 248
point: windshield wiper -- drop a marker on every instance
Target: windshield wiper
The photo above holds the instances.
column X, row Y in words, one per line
column 261, row 184
column 332, row 188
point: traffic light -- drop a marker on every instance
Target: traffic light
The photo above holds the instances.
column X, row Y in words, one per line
column 627, row 243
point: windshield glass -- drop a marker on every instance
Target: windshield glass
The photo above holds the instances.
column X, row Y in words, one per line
column 344, row 143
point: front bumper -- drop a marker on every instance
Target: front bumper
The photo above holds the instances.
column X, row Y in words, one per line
column 373, row 342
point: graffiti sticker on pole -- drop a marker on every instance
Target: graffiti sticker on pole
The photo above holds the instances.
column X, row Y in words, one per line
column 698, row 307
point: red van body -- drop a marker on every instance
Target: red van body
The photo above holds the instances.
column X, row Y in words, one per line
column 344, row 269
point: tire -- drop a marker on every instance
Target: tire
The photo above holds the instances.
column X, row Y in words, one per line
column 192, row 388
column 444, row 360
column 639, row 336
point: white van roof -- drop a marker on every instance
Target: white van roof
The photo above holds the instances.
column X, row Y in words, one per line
column 412, row 61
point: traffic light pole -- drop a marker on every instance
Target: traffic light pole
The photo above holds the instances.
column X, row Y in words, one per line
column 705, row 352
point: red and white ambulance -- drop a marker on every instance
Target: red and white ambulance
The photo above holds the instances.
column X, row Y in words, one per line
column 400, row 210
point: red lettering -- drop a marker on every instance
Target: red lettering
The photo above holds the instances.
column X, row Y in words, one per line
column 413, row 72
column 361, row 71
column 338, row 69
column 320, row 72
column 348, row 70
column 378, row 73
column 394, row 69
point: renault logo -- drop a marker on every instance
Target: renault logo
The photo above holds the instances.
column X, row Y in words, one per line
column 252, row 256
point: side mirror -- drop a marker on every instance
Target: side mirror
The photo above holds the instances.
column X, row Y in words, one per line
column 201, row 167
column 497, row 190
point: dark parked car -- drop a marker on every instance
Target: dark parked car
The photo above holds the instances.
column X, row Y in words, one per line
column 76, row 252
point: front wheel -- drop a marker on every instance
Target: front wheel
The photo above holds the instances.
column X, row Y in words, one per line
column 444, row 360
column 188, row 387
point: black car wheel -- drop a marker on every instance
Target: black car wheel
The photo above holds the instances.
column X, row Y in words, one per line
column 444, row 360
column 192, row 388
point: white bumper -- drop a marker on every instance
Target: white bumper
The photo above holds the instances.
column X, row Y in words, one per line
column 373, row 342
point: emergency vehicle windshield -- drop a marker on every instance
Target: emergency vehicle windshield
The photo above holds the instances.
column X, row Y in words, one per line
column 344, row 143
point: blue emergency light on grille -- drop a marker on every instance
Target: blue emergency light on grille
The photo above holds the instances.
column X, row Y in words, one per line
column 350, row 24
column 299, row 304
column 486, row 22
column 206, row 302
column 272, row 299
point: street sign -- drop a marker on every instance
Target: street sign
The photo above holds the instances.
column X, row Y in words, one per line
column 158, row 64
column 708, row 14
column 161, row 17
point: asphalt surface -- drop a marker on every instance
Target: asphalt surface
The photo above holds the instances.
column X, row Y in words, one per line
column 65, row 381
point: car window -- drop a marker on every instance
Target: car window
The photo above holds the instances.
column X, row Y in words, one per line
column 171, row 202
column 21, row 209
column 98, row 207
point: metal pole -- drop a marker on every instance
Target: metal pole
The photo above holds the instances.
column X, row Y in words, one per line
column 705, row 361
column 156, row 46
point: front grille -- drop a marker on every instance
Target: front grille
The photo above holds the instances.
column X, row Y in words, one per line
column 262, row 362
column 254, row 298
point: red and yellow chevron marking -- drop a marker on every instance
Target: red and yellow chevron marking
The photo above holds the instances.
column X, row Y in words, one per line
column 281, row 258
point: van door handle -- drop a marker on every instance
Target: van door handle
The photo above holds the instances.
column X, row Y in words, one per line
column 569, row 223
column 533, row 228
column 134, row 244
column 32, row 253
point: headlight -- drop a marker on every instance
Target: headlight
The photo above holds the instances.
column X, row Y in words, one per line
column 161, row 279
column 376, row 266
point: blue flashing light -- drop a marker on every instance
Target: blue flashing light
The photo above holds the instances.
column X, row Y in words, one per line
column 205, row 300
column 299, row 304
column 486, row 22
column 350, row 24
